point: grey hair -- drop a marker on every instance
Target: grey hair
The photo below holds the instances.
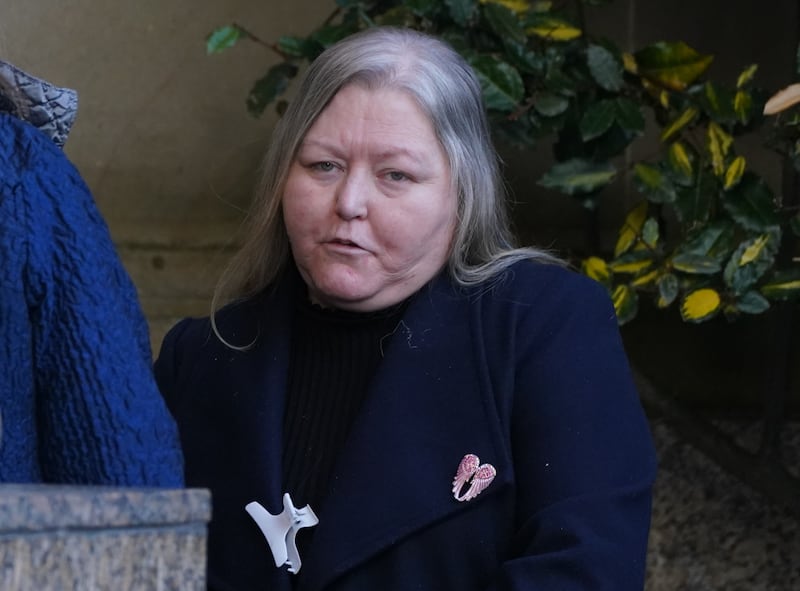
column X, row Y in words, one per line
column 447, row 90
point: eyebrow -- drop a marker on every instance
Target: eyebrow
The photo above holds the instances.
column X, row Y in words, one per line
column 388, row 152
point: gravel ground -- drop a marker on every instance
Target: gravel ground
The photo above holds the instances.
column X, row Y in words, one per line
column 710, row 532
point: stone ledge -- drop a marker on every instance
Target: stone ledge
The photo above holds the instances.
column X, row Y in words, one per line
column 55, row 538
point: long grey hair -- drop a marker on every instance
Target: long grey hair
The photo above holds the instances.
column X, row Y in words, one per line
column 449, row 93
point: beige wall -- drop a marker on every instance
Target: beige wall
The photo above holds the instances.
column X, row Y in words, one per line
column 162, row 136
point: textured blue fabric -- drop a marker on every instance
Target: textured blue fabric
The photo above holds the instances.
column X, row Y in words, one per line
column 77, row 398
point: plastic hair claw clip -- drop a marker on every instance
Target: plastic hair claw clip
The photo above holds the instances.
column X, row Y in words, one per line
column 281, row 530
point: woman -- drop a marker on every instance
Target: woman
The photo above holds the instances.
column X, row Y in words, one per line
column 424, row 406
column 78, row 401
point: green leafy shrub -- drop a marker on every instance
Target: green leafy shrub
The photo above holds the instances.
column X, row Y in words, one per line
column 708, row 235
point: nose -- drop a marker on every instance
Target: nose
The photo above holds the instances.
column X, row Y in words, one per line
column 352, row 195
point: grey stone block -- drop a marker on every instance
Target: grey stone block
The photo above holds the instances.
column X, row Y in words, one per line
column 72, row 538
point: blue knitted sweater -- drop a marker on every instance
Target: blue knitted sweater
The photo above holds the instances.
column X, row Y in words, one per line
column 78, row 403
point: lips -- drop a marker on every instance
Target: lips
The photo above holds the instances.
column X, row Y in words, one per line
column 345, row 245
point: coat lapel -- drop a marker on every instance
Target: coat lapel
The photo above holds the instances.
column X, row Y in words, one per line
column 429, row 404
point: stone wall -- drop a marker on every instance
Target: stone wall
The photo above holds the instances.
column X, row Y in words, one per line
column 68, row 538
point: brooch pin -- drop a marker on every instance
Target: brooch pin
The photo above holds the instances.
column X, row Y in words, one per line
column 281, row 530
column 478, row 476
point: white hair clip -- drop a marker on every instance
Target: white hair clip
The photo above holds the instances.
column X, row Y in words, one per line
column 280, row 530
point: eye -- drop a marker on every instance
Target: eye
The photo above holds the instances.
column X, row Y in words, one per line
column 324, row 166
column 396, row 175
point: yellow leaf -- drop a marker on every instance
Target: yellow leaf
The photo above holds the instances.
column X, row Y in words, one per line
column 645, row 279
column 518, row 6
column 700, row 304
column 734, row 173
column 555, row 30
column 676, row 126
column 597, row 269
column 751, row 252
column 631, row 228
column 746, row 76
column 783, row 99
column 543, row 6
column 719, row 142
column 776, row 289
column 679, row 157
column 631, row 266
column 742, row 102
column 620, row 297
column 629, row 63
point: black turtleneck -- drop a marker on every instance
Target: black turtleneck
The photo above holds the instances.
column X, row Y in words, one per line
column 334, row 355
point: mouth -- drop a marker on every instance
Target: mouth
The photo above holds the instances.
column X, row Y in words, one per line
column 343, row 244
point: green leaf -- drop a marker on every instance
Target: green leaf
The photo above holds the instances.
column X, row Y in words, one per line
column 681, row 161
column 673, row 65
column 631, row 228
column 782, row 285
column 693, row 202
column 715, row 241
column 633, row 263
column 742, row 271
column 629, row 117
column 462, row 11
column 423, row 8
column 505, row 23
column 330, row 34
column 223, row 38
column 550, row 104
column 695, row 264
column 552, row 28
column 794, row 224
column 746, row 76
column 651, row 182
column 678, row 124
column 299, row 47
column 667, row 290
column 501, row 83
column 743, row 105
column 734, row 172
column 752, row 302
column 272, row 85
column 597, row 119
column 604, row 68
column 578, row 176
column 718, row 103
column 751, row 203
column 650, row 232
column 626, row 303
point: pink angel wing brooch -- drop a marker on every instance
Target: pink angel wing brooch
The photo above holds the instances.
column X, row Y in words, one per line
column 470, row 471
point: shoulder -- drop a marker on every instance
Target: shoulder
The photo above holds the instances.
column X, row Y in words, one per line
column 23, row 146
column 38, row 171
column 237, row 323
column 542, row 285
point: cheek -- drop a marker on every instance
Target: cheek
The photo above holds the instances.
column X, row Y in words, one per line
column 298, row 213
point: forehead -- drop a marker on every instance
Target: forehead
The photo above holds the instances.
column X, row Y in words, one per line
column 357, row 109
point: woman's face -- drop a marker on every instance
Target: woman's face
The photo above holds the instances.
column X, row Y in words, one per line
column 368, row 203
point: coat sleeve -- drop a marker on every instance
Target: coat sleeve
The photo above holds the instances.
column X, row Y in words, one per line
column 582, row 451
column 101, row 419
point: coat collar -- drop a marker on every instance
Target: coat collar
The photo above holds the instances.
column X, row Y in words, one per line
column 430, row 403
column 49, row 108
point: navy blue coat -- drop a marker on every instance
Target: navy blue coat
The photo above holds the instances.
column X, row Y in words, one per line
column 530, row 375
